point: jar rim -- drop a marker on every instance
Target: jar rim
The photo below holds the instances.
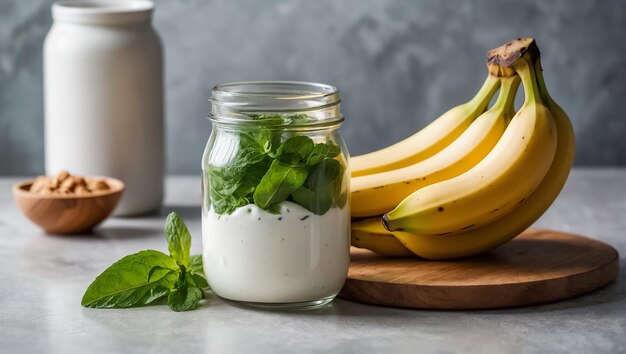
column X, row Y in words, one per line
column 323, row 90
column 238, row 102
column 103, row 12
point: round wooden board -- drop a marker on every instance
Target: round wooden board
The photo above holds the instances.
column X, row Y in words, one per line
column 538, row 266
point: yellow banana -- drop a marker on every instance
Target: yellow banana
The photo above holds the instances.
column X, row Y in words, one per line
column 379, row 193
column 504, row 229
column 364, row 235
column 497, row 184
column 430, row 140
column 428, row 246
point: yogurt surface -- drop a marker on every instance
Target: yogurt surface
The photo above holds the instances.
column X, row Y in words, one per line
column 295, row 256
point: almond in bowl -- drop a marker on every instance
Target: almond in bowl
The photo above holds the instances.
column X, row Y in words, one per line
column 67, row 204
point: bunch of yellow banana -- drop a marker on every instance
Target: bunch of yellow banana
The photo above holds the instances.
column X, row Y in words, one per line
column 381, row 192
column 482, row 188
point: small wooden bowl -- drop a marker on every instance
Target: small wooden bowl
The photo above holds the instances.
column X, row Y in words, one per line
column 67, row 214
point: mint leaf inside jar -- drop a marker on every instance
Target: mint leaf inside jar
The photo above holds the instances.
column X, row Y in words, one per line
column 269, row 169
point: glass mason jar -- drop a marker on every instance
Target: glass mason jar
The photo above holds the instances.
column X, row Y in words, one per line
column 276, row 188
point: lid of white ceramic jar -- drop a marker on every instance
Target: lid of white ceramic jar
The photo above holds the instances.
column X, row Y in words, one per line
column 103, row 12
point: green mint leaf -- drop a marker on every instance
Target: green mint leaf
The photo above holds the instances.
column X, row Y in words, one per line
column 289, row 119
column 266, row 117
column 178, row 238
column 197, row 271
column 233, row 185
column 342, row 199
column 298, row 119
column 295, row 150
column 317, row 202
column 185, row 297
column 221, row 191
column 320, row 187
column 278, row 183
column 255, row 116
column 135, row 280
column 273, row 209
column 263, row 140
column 249, row 178
column 195, row 264
column 156, row 294
column 340, row 196
column 246, row 156
column 323, row 174
column 200, row 281
column 321, row 151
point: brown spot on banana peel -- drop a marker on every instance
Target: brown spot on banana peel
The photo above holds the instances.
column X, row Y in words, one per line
column 378, row 187
column 440, row 209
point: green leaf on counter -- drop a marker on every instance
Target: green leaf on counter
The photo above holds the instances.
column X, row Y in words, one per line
column 178, row 238
column 149, row 276
column 186, row 296
column 197, row 271
column 195, row 264
column 135, row 280
column 200, row 281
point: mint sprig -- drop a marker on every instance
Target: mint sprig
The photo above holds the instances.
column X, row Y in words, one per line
column 150, row 276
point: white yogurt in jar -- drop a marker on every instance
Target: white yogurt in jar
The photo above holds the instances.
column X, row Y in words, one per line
column 252, row 255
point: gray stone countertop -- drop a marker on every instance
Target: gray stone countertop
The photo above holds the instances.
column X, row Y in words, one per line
column 43, row 279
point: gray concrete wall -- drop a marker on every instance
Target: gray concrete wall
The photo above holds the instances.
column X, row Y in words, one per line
column 399, row 64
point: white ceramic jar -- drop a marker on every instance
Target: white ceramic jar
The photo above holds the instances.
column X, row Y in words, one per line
column 104, row 97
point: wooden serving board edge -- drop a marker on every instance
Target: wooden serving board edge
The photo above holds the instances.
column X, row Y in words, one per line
column 430, row 297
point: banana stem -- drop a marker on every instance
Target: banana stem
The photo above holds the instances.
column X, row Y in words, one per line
column 526, row 70
column 484, row 95
column 508, row 90
column 543, row 90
